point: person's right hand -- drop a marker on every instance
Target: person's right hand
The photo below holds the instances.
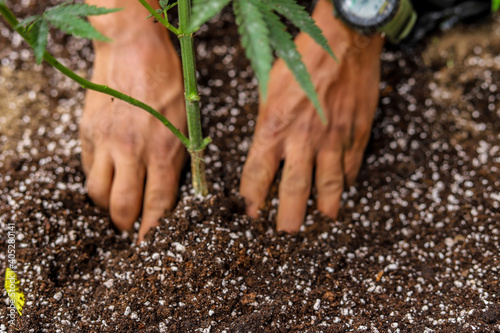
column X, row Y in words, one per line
column 132, row 161
column 289, row 128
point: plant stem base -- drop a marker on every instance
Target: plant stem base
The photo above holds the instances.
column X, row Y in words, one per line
column 198, row 172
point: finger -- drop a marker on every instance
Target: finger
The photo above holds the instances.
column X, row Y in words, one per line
column 258, row 173
column 159, row 196
column 353, row 158
column 127, row 191
column 361, row 131
column 329, row 179
column 100, row 178
column 295, row 188
column 365, row 108
column 341, row 100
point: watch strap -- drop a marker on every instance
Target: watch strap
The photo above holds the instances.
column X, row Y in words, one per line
column 495, row 5
column 402, row 23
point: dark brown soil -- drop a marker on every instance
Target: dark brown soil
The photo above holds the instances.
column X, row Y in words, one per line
column 415, row 249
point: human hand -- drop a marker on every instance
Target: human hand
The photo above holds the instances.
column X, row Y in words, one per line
column 289, row 128
column 132, row 161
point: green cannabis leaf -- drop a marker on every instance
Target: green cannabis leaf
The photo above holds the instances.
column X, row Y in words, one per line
column 164, row 4
column 158, row 11
column 70, row 19
column 255, row 39
column 286, row 49
column 204, row 10
column 262, row 32
column 165, row 7
column 40, row 34
column 27, row 21
column 67, row 17
column 81, row 10
column 301, row 19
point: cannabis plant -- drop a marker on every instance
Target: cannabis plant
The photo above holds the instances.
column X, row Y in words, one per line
column 262, row 34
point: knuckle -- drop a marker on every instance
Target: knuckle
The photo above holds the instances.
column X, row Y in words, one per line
column 274, row 125
column 307, row 128
column 128, row 142
column 269, row 132
column 330, row 183
column 157, row 201
column 295, row 184
column 104, row 126
column 257, row 173
column 162, row 153
column 340, row 129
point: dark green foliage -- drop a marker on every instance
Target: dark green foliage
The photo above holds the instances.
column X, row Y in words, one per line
column 301, row 19
column 26, row 21
column 255, row 38
column 68, row 17
column 40, row 34
column 204, row 10
column 258, row 24
column 164, row 4
column 286, row 49
column 165, row 7
column 262, row 32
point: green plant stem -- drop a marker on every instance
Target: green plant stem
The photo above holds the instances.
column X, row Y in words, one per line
column 161, row 19
column 12, row 20
column 197, row 144
column 189, row 72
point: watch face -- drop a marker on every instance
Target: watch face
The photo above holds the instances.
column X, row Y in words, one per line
column 366, row 13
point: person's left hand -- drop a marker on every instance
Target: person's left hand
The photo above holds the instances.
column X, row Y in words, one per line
column 289, row 128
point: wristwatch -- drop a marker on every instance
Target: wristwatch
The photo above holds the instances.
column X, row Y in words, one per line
column 392, row 18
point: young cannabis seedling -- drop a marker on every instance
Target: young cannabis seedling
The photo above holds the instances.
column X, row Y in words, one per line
column 259, row 25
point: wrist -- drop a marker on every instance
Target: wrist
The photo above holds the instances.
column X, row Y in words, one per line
column 127, row 24
column 394, row 19
column 341, row 37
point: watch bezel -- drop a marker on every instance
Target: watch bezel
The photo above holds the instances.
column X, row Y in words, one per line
column 368, row 26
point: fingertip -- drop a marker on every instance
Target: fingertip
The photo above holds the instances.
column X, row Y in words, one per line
column 252, row 200
column 329, row 181
column 287, row 223
column 159, row 195
column 295, row 189
column 352, row 165
column 99, row 180
column 257, row 176
column 329, row 207
column 126, row 195
column 329, row 199
column 123, row 216
column 350, row 178
column 146, row 225
column 98, row 191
